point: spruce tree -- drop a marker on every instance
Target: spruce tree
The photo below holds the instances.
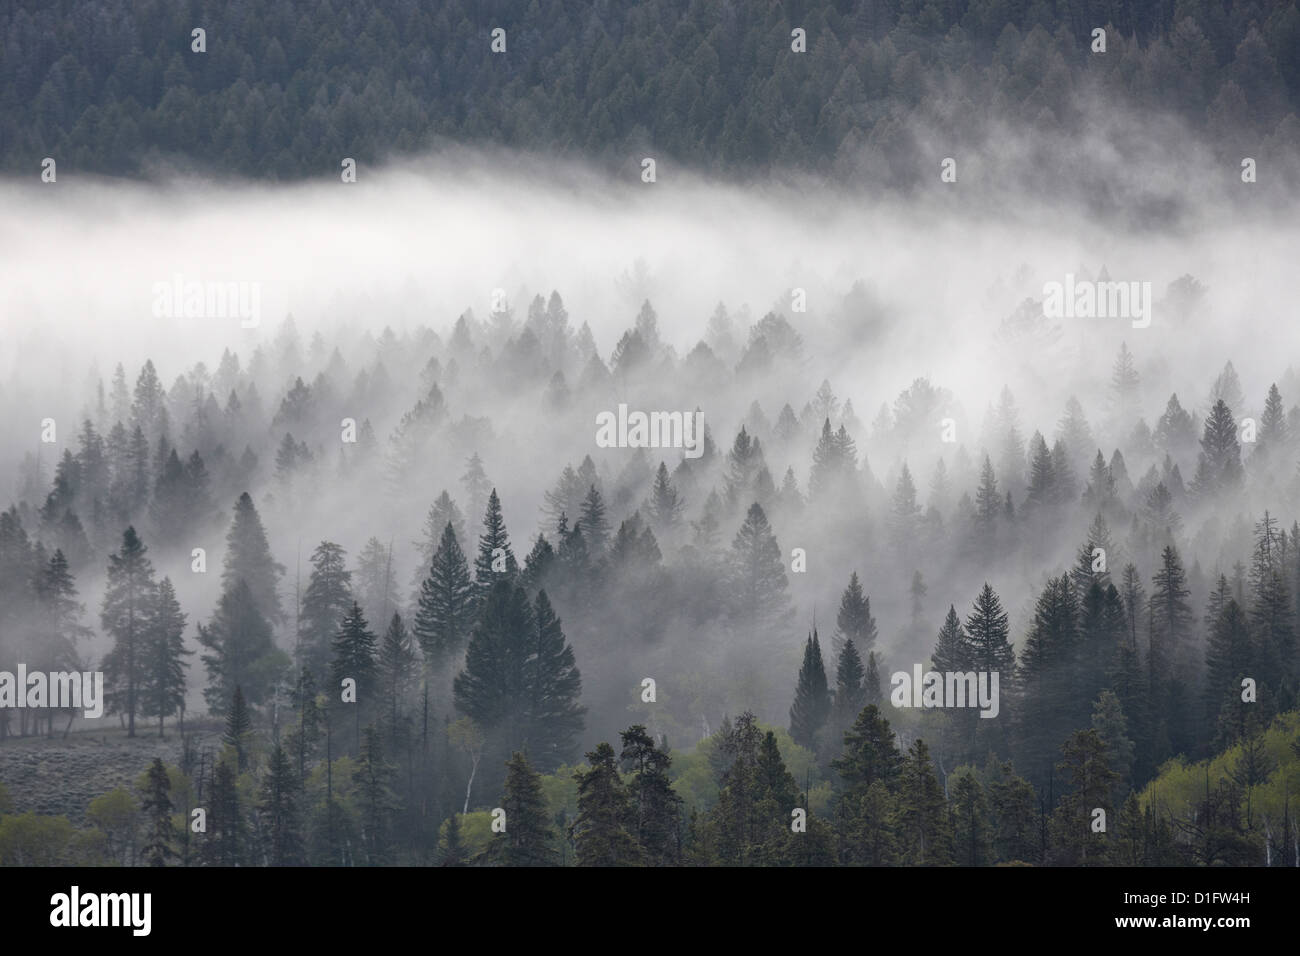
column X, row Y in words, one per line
column 850, row 694
column 355, row 652
column 528, row 839
column 127, row 615
column 248, row 557
column 496, row 560
column 950, row 649
column 812, row 699
column 239, row 729
column 759, row 599
column 854, row 621
column 377, row 804
column 972, row 839
column 240, row 651
column 157, row 807
column 601, row 832
column 281, row 821
column 163, row 679
column 655, row 806
column 326, row 602
column 925, row 832
column 595, row 526
column 445, row 609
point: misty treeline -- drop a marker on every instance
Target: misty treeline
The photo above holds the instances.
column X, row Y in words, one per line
column 379, row 700
column 117, row 87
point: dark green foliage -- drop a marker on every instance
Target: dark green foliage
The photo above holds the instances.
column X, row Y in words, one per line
column 157, row 807
column 812, row 697
column 601, row 832
column 528, row 839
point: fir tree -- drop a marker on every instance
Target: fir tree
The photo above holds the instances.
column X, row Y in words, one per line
column 241, row 652
column 127, row 615
column 496, row 560
column 528, row 839
column 655, row 807
column 239, row 729
column 812, row 698
column 326, row 602
column 162, row 686
column 758, row 584
column 279, row 811
column 248, row 557
column 925, row 832
column 601, row 831
column 850, row 694
column 157, row 807
column 445, row 609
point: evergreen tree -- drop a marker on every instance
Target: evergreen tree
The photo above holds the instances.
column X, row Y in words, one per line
column 519, row 681
column 665, row 505
column 157, row 807
column 1091, row 783
column 496, row 560
column 377, row 803
column 395, row 665
column 248, row 557
column 127, row 616
column 655, row 807
column 601, row 831
column 325, row 604
column 950, row 649
column 355, row 652
column 162, row 686
column 1219, row 465
column 850, row 694
column 225, row 844
column 1015, row 817
column 241, row 652
column 759, row 589
column 445, row 609
column 854, row 621
column 239, row 729
column 812, row 698
column 925, row 832
column 528, row 839
column 476, row 484
column 595, row 526
column 972, row 839
column 279, row 811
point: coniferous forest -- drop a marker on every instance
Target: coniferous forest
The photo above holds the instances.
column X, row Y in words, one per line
column 864, row 434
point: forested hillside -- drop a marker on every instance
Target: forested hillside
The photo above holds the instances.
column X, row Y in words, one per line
column 285, row 90
column 378, row 694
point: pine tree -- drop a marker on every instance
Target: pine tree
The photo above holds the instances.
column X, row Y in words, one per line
column 528, row 839
column 445, row 609
column 1091, row 783
column 869, row 768
column 476, row 484
column 972, row 839
column 950, row 650
column 281, row 822
column 157, row 807
column 871, row 683
column 925, row 832
column 665, row 505
column 239, row 729
column 225, row 844
column 595, row 526
column 162, row 686
column 519, row 681
column 854, row 621
column 850, row 694
column 496, row 560
column 812, row 699
column 126, row 615
column 248, row 557
column 758, row 584
column 395, row 667
column 241, row 652
column 1218, row 467
column 355, row 652
column 326, row 602
column 601, row 831
column 655, row 807
column 377, row 804
column 1015, row 817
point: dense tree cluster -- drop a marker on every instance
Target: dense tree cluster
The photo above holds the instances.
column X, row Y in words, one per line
column 116, row 88
column 362, row 726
